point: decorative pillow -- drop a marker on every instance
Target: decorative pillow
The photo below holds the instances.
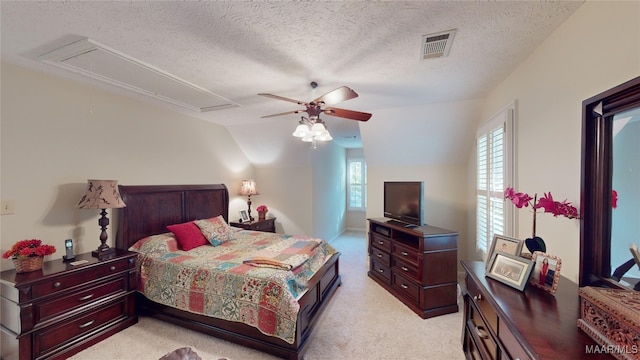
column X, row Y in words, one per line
column 188, row 235
column 161, row 243
column 216, row 230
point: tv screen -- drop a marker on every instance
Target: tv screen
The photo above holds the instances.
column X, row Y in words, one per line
column 403, row 201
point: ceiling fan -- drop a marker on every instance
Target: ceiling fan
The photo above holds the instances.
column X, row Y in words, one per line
column 315, row 107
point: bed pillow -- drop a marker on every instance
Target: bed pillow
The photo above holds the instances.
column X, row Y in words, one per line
column 161, row 243
column 188, row 235
column 216, row 230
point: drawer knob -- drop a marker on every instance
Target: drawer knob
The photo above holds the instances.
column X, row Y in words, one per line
column 379, row 255
column 381, row 270
column 404, row 253
column 86, row 324
column 85, row 298
column 56, row 284
column 404, row 286
column 112, row 268
column 380, row 242
column 477, row 297
column 482, row 333
column 405, row 268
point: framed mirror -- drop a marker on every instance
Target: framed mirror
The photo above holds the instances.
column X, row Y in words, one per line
column 610, row 187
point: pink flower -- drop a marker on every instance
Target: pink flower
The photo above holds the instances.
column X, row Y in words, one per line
column 614, row 199
column 518, row 199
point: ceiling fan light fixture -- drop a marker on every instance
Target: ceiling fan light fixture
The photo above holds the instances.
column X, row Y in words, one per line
column 308, row 138
column 324, row 136
column 318, row 128
column 301, row 131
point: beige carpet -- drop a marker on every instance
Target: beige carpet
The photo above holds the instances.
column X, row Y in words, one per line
column 362, row 321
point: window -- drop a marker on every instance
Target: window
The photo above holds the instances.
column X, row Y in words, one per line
column 494, row 162
column 357, row 184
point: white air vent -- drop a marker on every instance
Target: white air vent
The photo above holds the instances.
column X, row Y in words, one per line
column 99, row 62
column 437, row 45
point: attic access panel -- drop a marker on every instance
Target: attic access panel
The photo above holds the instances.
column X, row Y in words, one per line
column 89, row 58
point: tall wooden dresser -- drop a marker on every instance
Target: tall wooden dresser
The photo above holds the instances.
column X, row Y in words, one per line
column 55, row 312
column 418, row 265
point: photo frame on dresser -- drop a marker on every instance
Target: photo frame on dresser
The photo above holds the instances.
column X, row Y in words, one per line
column 505, row 244
column 510, row 269
column 244, row 216
column 546, row 271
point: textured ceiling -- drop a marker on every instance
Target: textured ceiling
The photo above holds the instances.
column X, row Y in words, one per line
column 238, row 49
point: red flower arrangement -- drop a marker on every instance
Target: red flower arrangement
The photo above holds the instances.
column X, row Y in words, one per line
column 28, row 248
column 549, row 205
column 262, row 208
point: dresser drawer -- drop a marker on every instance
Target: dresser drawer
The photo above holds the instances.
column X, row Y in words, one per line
column 406, row 253
column 52, row 337
column 380, row 242
column 265, row 226
column 63, row 282
column 478, row 330
column 49, row 309
column 380, row 271
column 510, row 343
column 380, row 256
column 405, row 268
column 482, row 305
column 407, row 287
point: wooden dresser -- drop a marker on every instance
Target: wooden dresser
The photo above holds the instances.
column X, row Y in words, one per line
column 55, row 312
column 417, row 265
column 501, row 322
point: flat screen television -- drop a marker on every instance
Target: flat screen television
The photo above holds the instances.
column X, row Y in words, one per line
column 403, row 201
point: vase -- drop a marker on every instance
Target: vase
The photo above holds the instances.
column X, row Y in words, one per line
column 262, row 215
column 28, row 264
column 535, row 244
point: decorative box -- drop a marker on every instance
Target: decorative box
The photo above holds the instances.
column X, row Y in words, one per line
column 612, row 318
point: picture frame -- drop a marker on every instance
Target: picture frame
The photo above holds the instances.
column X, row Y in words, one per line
column 244, row 216
column 505, row 244
column 546, row 271
column 510, row 269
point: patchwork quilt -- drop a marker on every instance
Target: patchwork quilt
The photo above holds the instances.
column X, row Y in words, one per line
column 255, row 279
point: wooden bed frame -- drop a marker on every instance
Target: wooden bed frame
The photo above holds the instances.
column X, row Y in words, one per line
column 151, row 208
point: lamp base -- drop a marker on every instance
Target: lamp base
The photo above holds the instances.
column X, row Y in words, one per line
column 104, row 253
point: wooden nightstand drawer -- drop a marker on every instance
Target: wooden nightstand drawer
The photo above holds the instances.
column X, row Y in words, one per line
column 87, row 297
column 69, row 331
column 63, row 282
column 268, row 225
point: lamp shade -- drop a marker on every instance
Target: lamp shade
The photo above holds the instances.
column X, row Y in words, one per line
column 248, row 188
column 101, row 194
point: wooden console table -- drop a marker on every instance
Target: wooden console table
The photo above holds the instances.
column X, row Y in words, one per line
column 501, row 322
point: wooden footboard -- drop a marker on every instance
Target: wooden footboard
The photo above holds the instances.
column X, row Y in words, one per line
column 321, row 287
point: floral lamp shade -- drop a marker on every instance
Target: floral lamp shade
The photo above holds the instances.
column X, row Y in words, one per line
column 249, row 188
column 101, row 194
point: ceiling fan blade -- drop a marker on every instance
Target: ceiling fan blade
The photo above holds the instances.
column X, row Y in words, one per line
column 284, row 113
column 348, row 114
column 283, row 98
column 340, row 94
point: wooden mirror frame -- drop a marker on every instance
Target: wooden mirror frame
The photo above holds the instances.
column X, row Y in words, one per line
column 596, row 179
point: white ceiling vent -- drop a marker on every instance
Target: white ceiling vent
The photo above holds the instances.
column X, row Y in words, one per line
column 100, row 62
column 437, row 45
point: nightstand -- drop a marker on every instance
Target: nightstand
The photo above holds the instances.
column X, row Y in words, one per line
column 268, row 225
column 62, row 309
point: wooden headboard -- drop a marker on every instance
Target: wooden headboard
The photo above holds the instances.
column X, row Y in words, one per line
column 150, row 208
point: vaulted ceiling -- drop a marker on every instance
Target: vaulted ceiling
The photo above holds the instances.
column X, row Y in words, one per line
column 237, row 49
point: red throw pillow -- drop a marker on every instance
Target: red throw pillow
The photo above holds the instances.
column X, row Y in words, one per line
column 188, row 235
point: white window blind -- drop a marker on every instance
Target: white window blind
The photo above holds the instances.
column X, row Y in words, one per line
column 356, row 186
column 494, row 149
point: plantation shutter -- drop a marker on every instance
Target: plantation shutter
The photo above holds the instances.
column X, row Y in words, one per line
column 494, row 153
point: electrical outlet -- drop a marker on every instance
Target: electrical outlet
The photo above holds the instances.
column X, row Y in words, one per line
column 7, row 207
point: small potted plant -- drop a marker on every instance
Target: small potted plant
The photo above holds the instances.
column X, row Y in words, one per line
column 28, row 255
column 262, row 212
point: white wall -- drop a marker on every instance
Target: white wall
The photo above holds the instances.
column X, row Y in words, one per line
column 56, row 134
column 597, row 48
column 329, row 190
